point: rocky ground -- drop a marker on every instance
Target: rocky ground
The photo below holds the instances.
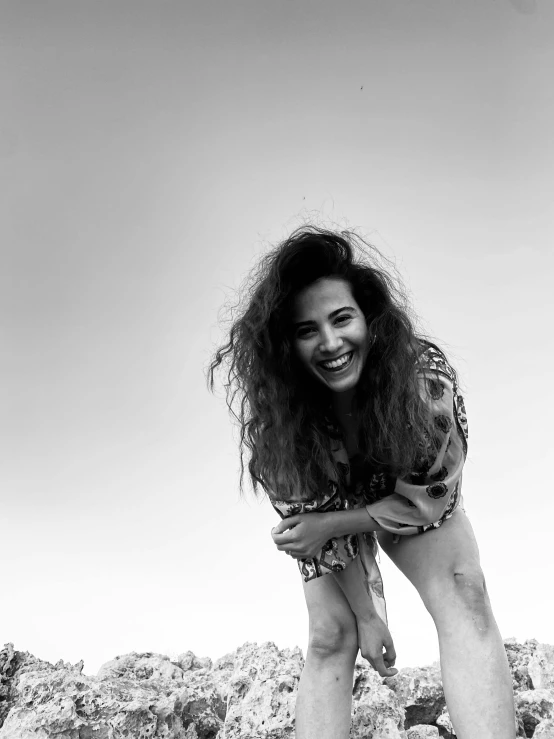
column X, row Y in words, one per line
column 248, row 694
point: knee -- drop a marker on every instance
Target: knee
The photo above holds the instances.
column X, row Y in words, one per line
column 471, row 591
column 463, row 592
column 332, row 638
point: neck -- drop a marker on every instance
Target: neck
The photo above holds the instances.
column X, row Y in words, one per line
column 343, row 403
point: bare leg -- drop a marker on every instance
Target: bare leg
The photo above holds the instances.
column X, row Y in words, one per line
column 443, row 564
column 324, row 702
column 476, row 677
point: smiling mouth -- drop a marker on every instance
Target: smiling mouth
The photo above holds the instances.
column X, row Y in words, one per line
column 337, row 365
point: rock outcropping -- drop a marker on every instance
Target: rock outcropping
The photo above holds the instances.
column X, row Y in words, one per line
column 249, row 694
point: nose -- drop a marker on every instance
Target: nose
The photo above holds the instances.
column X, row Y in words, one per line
column 330, row 341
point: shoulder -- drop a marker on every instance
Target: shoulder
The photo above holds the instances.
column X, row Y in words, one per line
column 432, row 361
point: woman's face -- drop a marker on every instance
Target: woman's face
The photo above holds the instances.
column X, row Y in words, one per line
column 330, row 334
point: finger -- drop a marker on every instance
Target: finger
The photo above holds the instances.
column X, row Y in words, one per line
column 379, row 664
column 390, row 656
column 390, row 666
column 284, row 524
column 285, row 538
column 390, row 651
column 285, row 547
column 292, row 553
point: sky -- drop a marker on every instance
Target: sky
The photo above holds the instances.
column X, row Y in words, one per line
column 150, row 153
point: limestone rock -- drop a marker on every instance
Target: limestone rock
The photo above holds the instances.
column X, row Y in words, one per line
column 444, row 724
column 519, row 656
column 520, row 728
column 148, row 699
column 262, row 692
column 541, row 667
column 423, row 731
column 13, row 664
column 141, row 666
column 532, row 706
column 376, row 711
column 221, row 673
column 419, row 690
column 247, row 694
column 189, row 661
column 544, row 729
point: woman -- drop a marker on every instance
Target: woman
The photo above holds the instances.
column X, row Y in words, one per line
column 357, row 433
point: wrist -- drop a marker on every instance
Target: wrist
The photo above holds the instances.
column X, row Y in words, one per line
column 351, row 521
column 329, row 525
column 365, row 617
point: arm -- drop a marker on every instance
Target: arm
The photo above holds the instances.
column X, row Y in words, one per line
column 352, row 521
column 315, row 540
column 304, row 535
column 306, row 538
column 354, row 586
column 373, row 633
column 428, row 495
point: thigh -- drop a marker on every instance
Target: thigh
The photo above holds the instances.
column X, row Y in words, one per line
column 431, row 560
column 332, row 623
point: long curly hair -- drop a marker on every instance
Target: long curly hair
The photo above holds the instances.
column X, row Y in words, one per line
column 283, row 413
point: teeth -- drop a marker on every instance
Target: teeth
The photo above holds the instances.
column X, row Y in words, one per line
column 338, row 362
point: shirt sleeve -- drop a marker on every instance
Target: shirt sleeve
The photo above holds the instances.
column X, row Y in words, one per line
column 427, row 496
column 337, row 553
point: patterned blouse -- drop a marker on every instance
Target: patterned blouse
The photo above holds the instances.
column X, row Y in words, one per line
column 404, row 506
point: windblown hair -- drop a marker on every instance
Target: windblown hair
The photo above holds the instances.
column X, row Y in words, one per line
column 283, row 412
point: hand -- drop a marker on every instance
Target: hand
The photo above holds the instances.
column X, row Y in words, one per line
column 302, row 536
column 373, row 637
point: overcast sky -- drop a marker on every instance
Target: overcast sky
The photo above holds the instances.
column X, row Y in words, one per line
column 150, row 152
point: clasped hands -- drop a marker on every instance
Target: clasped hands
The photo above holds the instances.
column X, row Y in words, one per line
column 302, row 536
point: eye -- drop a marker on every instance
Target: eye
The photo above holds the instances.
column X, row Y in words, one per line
column 303, row 332
column 344, row 317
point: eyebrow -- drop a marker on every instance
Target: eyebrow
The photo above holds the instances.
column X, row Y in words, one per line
column 331, row 315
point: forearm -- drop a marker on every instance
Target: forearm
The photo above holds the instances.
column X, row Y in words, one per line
column 353, row 584
column 352, row 521
column 352, row 580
